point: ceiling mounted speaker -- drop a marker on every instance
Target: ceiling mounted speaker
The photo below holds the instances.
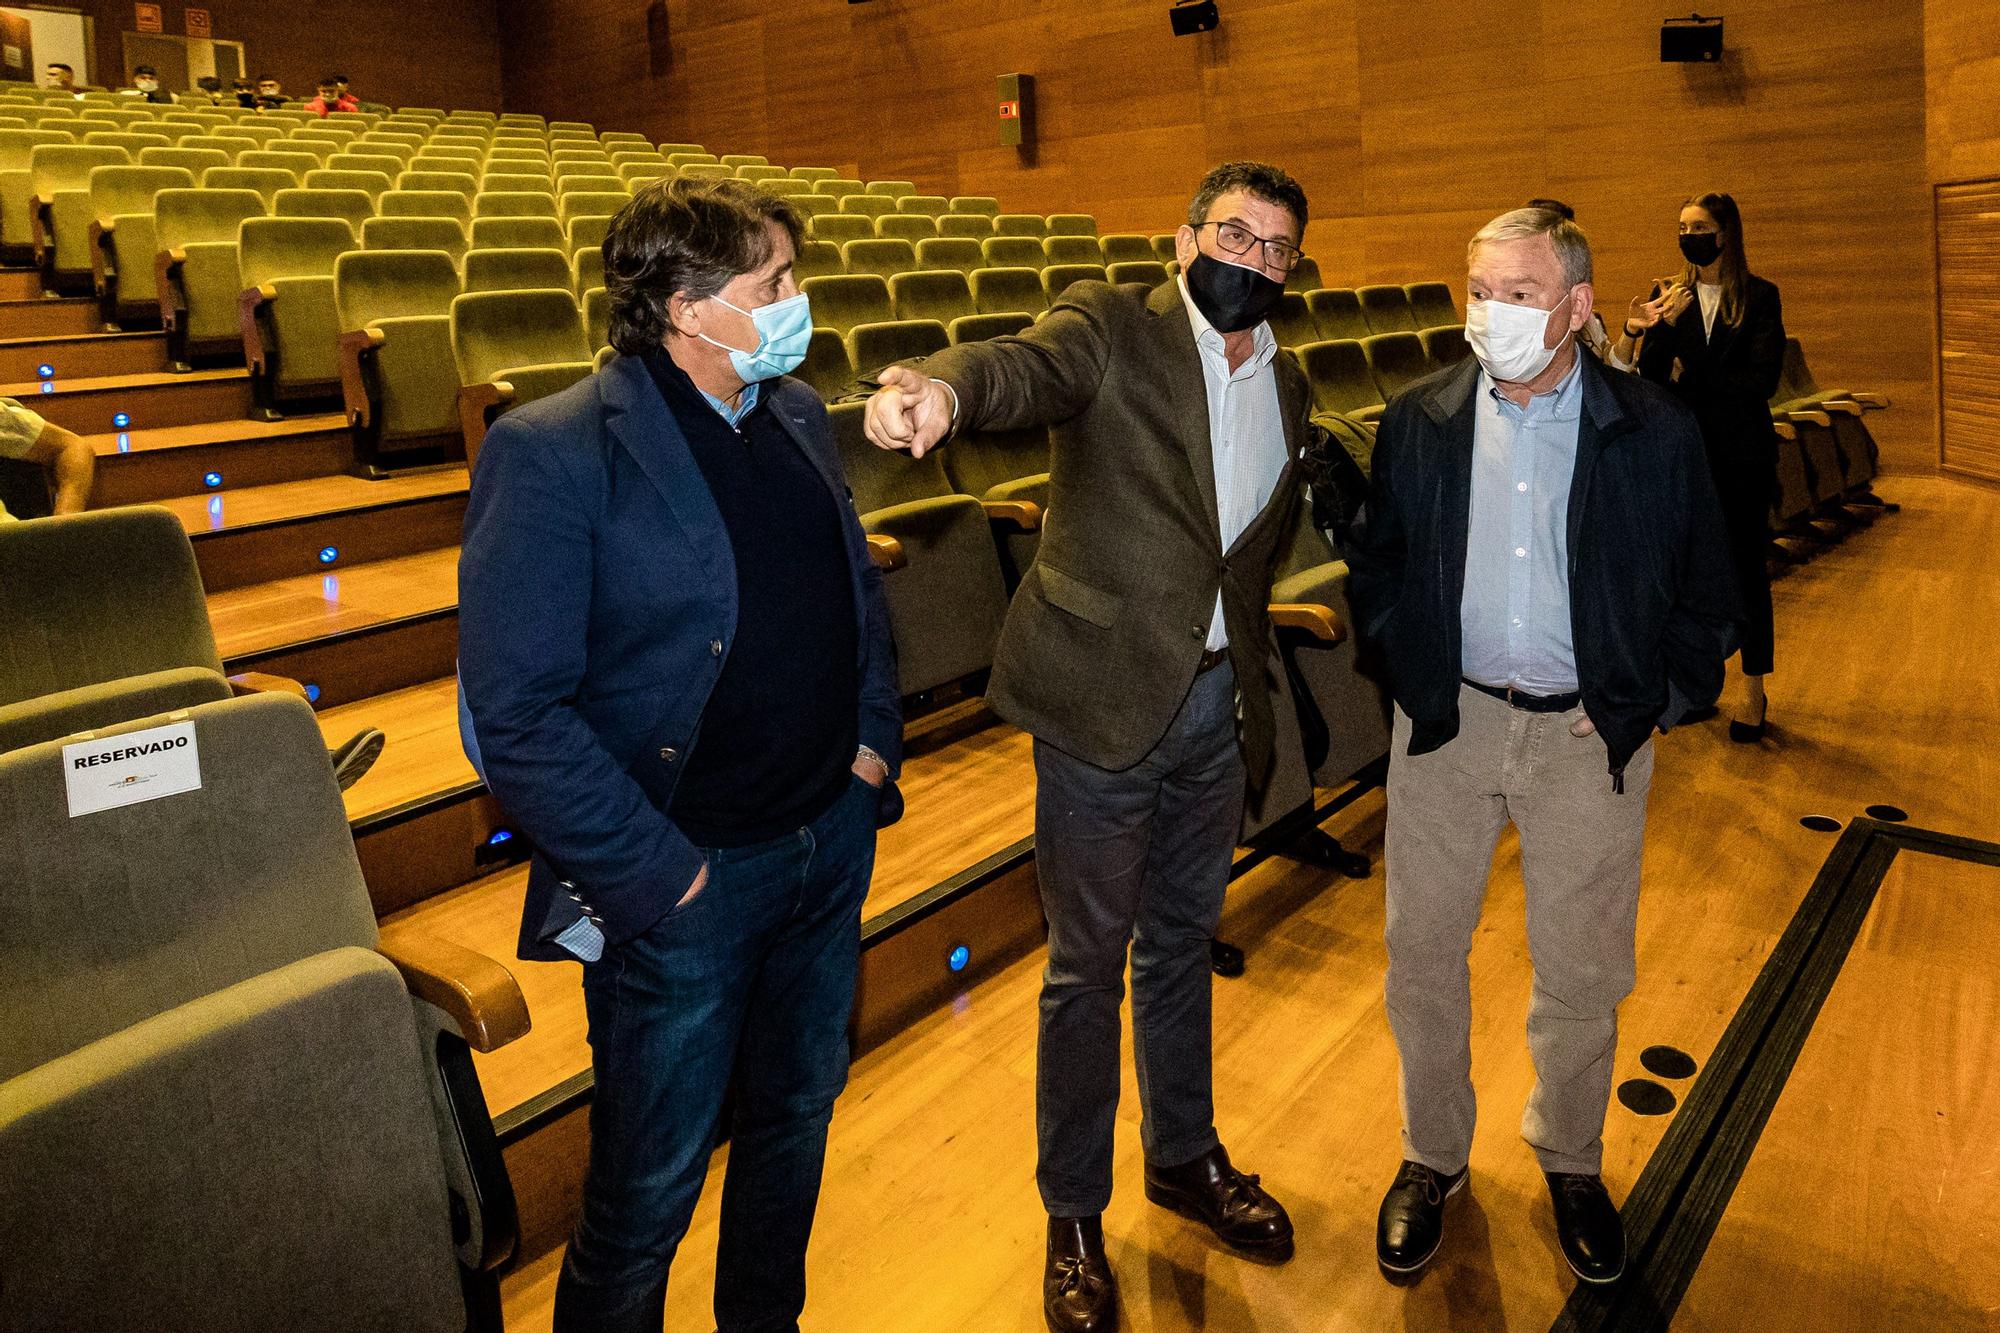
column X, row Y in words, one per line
column 1193, row 16
column 1691, row 40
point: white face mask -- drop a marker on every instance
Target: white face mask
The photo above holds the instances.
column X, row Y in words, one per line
column 1507, row 339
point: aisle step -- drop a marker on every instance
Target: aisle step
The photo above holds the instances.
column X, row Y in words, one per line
column 359, row 631
column 143, row 466
column 94, row 354
column 20, row 284
column 93, row 406
column 259, row 533
column 36, row 316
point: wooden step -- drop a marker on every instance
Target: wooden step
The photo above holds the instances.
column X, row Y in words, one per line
column 89, row 354
column 261, row 533
column 142, row 466
column 49, row 317
column 20, row 284
column 148, row 402
column 364, row 630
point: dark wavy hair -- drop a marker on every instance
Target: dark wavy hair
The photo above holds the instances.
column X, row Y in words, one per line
column 1259, row 179
column 686, row 236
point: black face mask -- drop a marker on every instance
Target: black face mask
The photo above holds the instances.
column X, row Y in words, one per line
column 1230, row 297
column 1700, row 248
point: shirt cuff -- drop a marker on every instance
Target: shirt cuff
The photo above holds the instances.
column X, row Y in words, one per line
column 954, row 401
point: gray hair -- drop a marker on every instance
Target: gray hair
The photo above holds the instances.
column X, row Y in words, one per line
column 1523, row 224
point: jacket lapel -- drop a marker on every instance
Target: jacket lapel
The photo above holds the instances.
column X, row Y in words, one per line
column 1602, row 420
column 638, row 418
column 1450, row 403
column 1179, row 356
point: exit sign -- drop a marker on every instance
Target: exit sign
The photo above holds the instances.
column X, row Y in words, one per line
column 1010, row 111
column 198, row 24
column 146, row 18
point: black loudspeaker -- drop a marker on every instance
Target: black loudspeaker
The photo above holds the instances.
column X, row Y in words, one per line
column 1690, row 40
column 1193, row 16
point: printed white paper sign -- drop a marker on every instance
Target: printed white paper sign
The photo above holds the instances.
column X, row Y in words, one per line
column 125, row 770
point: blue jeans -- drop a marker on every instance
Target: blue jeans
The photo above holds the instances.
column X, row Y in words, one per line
column 744, row 992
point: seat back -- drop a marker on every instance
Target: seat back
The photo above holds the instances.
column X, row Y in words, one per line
column 131, row 143
column 983, row 204
column 883, row 257
column 892, row 189
column 591, row 204
column 392, row 284
column 194, row 161
column 911, row 227
column 1073, row 250
column 1445, row 345
column 1127, row 248
column 446, row 234
column 1432, row 304
column 1304, row 278
column 995, row 290
column 54, row 167
column 1291, row 323
column 97, row 597
column 586, row 233
column 880, row 478
column 1057, row 278
column 940, row 295
column 291, row 247
column 1397, row 361
column 827, row 368
column 1072, row 224
column 120, row 191
column 977, row 461
column 492, row 332
column 817, row 259
column 351, row 206
column 192, row 217
column 1151, row 272
column 978, row 328
column 868, row 205
column 951, row 252
column 401, row 203
column 516, row 270
column 974, row 226
column 597, row 317
column 1336, row 313
column 1338, row 371
column 17, row 145
column 587, row 269
column 1013, row 252
column 842, row 301
column 841, row 227
column 929, row 205
column 463, row 184
column 516, row 233
column 1020, row 224
column 874, row 346
column 1386, row 308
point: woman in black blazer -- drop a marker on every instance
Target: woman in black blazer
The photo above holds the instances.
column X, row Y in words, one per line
column 1716, row 335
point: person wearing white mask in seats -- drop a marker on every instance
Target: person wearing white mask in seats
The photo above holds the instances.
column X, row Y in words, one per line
column 1541, row 562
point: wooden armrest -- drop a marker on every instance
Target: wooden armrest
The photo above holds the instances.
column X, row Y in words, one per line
column 248, row 304
column 356, row 346
column 1319, row 621
column 1847, row 407
column 1815, row 418
column 1785, row 430
column 1023, row 514
column 258, row 682
column 1874, row 400
column 887, row 552
column 99, row 273
column 40, row 237
column 480, row 996
column 478, row 404
column 167, row 265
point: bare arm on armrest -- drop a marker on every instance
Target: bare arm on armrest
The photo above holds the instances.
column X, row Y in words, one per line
column 481, row 997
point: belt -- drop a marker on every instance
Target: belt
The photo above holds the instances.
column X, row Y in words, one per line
column 1211, row 659
column 1530, row 703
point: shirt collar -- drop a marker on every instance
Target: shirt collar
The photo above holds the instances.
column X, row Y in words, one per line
column 1206, row 335
column 1562, row 403
column 746, row 403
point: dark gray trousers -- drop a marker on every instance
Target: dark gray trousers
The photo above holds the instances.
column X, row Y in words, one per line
column 1138, row 857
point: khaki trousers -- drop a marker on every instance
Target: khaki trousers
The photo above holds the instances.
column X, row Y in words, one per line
column 1580, row 850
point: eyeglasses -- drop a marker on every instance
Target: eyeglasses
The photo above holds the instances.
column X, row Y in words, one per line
column 1236, row 239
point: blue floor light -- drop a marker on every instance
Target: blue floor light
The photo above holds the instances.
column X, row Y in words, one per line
column 211, row 479
column 499, row 836
column 124, row 444
column 121, row 420
column 312, row 694
column 328, row 554
column 45, row 371
column 48, row 386
column 959, row 957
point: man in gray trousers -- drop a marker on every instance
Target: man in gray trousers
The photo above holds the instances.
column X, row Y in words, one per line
column 1542, row 564
column 1140, row 654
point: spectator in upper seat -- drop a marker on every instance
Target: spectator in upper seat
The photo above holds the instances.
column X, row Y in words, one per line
column 146, row 86
column 61, row 78
column 1541, row 566
column 331, row 99
column 270, row 93
column 210, row 87
column 681, row 686
column 68, row 459
column 1724, row 360
column 1142, row 658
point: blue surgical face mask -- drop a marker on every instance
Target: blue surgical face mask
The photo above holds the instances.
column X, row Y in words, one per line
column 784, row 329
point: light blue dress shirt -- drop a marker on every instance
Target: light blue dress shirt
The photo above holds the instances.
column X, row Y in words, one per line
column 1514, row 616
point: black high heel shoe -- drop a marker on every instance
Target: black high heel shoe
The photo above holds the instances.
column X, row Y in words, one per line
column 1748, row 733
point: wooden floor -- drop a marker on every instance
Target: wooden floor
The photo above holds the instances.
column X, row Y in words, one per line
column 1886, row 692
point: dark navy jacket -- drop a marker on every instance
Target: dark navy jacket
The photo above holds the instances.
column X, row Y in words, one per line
column 597, row 604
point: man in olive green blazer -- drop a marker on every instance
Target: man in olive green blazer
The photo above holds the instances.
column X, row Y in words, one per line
column 1140, row 655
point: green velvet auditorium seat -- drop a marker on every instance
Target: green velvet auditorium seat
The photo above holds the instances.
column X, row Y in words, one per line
column 1127, row 248
column 911, row 227
column 871, row 347
column 290, row 330
column 234, row 1104
column 1304, row 278
column 1432, row 304
column 1072, row 224
column 597, row 318
column 517, row 270
column 1013, row 252
column 1386, row 307
column 883, row 257
column 1291, row 323
column 200, row 282
column 1058, row 278
column 892, row 189
column 374, row 184
column 1071, row 249
column 516, row 233
column 586, row 233
column 512, row 348
column 942, row 295
column 946, row 603
column 817, row 259
column 868, row 205
column 1397, row 361
column 17, row 191
column 975, row 226
column 400, row 386
column 1445, row 345
column 124, row 241
column 841, row 228
column 192, row 160
column 1337, row 370
column 842, row 301
column 983, row 204
column 59, row 175
column 461, row 183
column 396, row 233
column 1150, row 272
column 978, row 328
column 827, row 367
column 1336, row 312
column 1020, row 224
column 928, row 205
column 997, row 290
column 1008, row 472
column 353, row 207
column 951, row 252
column 402, row 203
column 587, row 269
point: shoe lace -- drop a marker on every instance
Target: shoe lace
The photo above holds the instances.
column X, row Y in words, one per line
column 1070, row 1274
column 1416, row 1173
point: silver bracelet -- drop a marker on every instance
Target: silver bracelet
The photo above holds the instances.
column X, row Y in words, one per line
column 863, row 752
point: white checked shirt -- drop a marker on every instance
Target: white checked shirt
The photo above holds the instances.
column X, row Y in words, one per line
column 1246, row 434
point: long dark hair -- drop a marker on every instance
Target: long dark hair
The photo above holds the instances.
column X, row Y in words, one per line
column 1735, row 269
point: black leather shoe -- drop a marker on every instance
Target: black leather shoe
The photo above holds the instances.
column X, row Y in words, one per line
column 1588, row 1225
column 1410, row 1226
column 1743, row 733
column 1231, row 1204
column 1078, row 1293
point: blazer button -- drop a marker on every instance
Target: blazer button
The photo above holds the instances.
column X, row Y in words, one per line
column 668, row 754
column 1199, row 631
column 715, row 647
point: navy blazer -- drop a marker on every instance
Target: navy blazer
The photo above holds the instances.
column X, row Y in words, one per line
column 597, row 605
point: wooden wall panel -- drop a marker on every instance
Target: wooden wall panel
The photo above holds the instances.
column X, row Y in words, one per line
column 1962, row 86
column 1968, row 231
column 1409, row 125
column 407, row 54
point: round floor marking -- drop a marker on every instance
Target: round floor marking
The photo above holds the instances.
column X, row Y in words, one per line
column 1820, row 824
column 1667, row 1062
column 1645, row 1097
column 1888, row 814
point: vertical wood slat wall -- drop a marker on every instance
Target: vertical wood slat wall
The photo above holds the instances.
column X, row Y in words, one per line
column 1968, row 257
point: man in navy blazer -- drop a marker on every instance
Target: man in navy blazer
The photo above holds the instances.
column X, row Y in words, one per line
column 680, row 686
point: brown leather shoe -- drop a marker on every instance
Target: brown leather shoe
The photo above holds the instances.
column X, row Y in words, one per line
column 1233, row 1205
column 1078, row 1292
